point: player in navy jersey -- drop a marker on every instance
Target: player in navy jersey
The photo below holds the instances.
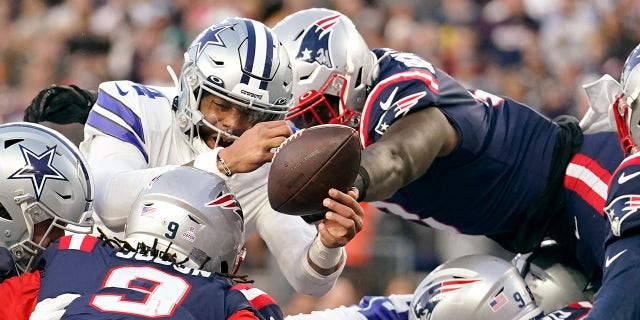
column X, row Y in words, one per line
column 225, row 115
column 465, row 288
column 622, row 244
column 449, row 157
column 182, row 249
column 46, row 190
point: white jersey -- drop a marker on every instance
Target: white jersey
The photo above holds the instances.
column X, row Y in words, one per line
column 131, row 136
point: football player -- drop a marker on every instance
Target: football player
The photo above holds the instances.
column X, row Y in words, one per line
column 225, row 115
column 47, row 189
column 465, row 288
column 622, row 246
column 179, row 258
column 452, row 158
column 62, row 108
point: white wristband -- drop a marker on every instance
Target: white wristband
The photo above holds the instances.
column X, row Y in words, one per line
column 323, row 257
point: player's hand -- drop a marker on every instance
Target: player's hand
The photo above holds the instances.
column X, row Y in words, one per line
column 253, row 148
column 52, row 308
column 343, row 220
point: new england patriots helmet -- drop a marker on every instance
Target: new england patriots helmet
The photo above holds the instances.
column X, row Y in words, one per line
column 554, row 277
column 193, row 214
column 241, row 61
column 44, row 177
column 626, row 110
column 333, row 67
column 473, row 287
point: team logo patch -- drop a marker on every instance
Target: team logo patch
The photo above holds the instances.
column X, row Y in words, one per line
column 435, row 293
column 209, row 37
column 38, row 168
column 315, row 43
column 226, row 201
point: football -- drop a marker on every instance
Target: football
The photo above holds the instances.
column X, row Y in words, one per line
column 308, row 164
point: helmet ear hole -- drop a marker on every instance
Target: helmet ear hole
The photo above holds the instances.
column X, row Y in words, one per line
column 4, row 213
column 358, row 80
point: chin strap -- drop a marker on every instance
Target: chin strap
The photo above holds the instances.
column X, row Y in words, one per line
column 626, row 142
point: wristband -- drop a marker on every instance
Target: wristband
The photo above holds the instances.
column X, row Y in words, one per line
column 362, row 183
column 224, row 166
column 323, row 257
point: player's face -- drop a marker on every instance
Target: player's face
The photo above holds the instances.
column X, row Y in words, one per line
column 225, row 116
column 39, row 230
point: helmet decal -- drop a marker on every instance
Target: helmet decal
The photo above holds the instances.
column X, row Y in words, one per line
column 259, row 55
column 38, row 168
column 315, row 44
column 226, row 201
column 210, row 36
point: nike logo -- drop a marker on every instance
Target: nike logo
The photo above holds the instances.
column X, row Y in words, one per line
column 624, row 178
column 608, row 261
column 124, row 93
column 389, row 102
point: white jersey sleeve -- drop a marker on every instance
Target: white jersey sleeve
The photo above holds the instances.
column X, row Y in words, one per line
column 129, row 140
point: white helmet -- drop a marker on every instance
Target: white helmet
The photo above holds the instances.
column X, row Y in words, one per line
column 554, row 277
column 626, row 110
column 193, row 214
column 473, row 287
column 241, row 61
column 333, row 67
column 43, row 177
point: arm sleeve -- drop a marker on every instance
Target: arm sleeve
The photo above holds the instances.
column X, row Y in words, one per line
column 120, row 173
column 620, row 278
column 19, row 296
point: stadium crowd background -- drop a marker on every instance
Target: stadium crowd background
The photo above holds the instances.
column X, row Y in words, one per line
column 536, row 51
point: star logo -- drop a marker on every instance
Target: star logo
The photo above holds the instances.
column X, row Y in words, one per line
column 211, row 36
column 38, row 168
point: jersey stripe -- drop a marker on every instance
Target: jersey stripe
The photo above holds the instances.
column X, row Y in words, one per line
column 116, row 107
column 113, row 129
column 80, row 242
column 258, row 298
column 589, row 180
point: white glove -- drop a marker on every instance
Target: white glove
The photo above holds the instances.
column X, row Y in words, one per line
column 52, row 308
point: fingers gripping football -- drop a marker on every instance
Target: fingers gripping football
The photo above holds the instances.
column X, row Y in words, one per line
column 344, row 218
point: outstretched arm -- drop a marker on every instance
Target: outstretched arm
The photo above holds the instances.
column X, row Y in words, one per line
column 405, row 152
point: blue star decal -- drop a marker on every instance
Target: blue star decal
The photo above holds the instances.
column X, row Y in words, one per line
column 211, row 36
column 38, row 168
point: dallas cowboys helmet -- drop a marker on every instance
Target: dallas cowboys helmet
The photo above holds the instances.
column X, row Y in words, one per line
column 555, row 278
column 241, row 61
column 473, row 287
column 43, row 177
column 333, row 67
column 193, row 214
column 626, row 111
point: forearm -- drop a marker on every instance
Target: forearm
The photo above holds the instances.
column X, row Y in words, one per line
column 405, row 152
column 289, row 239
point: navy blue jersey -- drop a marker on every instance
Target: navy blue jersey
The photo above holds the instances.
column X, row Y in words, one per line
column 499, row 167
column 131, row 286
column 586, row 183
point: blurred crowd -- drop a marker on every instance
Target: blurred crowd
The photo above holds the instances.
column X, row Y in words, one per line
column 537, row 51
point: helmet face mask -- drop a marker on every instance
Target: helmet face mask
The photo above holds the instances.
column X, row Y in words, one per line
column 331, row 59
column 240, row 61
column 202, row 222
column 46, row 183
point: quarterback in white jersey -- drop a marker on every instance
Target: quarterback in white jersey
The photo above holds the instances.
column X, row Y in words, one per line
column 224, row 117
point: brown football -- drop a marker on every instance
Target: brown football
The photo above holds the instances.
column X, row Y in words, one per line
column 308, row 164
